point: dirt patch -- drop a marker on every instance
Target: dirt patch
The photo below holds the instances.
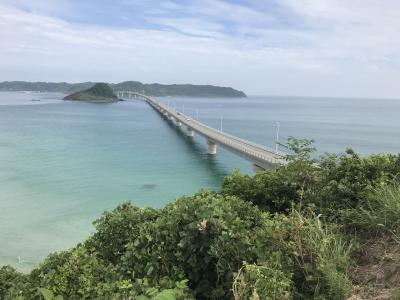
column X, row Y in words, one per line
column 376, row 274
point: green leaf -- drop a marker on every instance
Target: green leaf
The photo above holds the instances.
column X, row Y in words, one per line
column 47, row 294
column 151, row 269
column 166, row 295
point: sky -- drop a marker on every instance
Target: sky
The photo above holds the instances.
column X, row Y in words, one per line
column 336, row 48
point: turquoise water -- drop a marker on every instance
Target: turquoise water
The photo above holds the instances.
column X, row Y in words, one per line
column 63, row 163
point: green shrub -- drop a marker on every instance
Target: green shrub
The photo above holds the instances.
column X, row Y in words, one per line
column 45, row 294
column 76, row 274
column 72, row 274
column 141, row 289
column 271, row 191
column 115, row 229
column 203, row 238
column 206, row 239
column 331, row 183
column 347, row 179
column 12, row 283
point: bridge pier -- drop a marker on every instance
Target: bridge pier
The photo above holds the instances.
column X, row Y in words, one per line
column 257, row 168
column 212, row 147
column 190, row 132
column 261, row 157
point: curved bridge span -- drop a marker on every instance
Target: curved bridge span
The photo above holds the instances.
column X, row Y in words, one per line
column 262, row 157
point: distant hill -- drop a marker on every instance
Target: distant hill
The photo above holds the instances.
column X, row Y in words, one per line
column 57, row 87
column 100, row 92
column 153, row 89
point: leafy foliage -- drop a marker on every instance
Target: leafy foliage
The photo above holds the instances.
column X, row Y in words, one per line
column 11, row 283
column 73, row 274
column 114, row 230
column 261, row 282
column 45, row 294
column 298, row 149
column 331, row 183
column 203, row 238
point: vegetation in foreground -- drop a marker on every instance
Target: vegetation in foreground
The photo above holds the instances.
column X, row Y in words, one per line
column 313, row 229
column 100, row 92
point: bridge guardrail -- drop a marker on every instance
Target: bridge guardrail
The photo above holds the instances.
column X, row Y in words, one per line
column 278, row 155
column 222, row 137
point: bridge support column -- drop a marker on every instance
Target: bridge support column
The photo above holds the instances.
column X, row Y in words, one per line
column 257, row 169
column 171, row 117
column 212, row 147
column 178, row 123
column 190, row 131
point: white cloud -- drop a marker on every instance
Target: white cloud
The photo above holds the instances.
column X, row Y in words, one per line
column 341, row 48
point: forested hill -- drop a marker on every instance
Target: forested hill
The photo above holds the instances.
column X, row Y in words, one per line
column 153, row 89
column 100, row 92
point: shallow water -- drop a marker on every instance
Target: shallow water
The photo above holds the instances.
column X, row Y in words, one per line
column 63, row 163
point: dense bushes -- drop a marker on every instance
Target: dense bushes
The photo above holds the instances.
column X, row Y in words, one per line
column 11, row 283
column 114, row 230
column 69, row 282
column 331, row 183
column 274, row 235
column 206, row 240
column 203, row 238
column 73, row 274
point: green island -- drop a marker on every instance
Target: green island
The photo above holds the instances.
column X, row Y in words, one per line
column 152, row 89
column 316, row 228
column 100, row 92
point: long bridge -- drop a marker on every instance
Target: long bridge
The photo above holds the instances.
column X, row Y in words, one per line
column 261, row 157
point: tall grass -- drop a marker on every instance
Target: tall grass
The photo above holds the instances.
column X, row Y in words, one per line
column 380, row 212
column 323, row 257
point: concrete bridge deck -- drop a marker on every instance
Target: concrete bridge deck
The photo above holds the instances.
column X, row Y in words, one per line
column 261, row 157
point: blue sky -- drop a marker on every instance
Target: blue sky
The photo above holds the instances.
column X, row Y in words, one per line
column 275, row 47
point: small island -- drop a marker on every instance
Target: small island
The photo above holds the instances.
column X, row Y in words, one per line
column 99, row 93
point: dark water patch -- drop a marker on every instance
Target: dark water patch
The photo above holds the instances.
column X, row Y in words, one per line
column 149, row 186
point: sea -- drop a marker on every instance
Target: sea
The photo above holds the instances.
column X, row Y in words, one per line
column 63, row 163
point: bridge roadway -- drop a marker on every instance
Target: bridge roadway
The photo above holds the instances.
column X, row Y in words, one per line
column 261, row 157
